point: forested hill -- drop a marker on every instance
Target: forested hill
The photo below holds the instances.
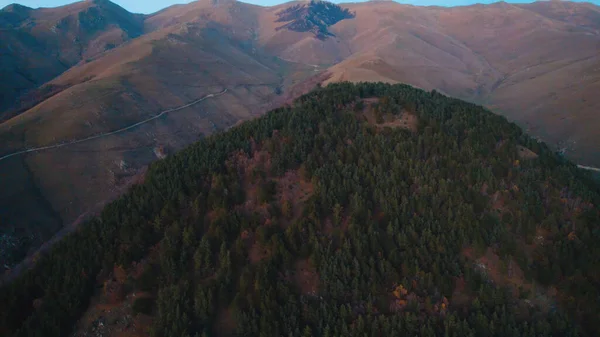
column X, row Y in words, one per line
column 361, row 210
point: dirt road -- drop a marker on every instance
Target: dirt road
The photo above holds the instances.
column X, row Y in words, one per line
column 78, row 141
column 596, row 169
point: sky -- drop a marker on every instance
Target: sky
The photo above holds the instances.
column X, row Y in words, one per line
column 151, row 6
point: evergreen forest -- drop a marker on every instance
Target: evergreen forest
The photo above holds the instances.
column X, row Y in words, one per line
column 359, row 210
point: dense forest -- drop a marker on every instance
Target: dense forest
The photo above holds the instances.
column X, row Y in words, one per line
column 359, row 210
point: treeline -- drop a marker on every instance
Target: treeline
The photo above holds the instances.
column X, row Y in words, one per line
column 386, row 228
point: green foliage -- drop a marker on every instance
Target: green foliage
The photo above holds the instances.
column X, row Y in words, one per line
column 404, row 208
column 143, row 305
column 378, row 112
column 147, row 281
column 266, row 190
column 359, row 106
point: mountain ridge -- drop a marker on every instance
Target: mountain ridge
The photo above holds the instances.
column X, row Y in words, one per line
column 43, row 43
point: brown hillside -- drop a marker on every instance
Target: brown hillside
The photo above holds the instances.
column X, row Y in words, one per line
column 39, row 44
column 536, row 63
column 164, row 69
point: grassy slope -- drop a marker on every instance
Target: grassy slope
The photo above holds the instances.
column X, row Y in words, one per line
column 40, row 44
column 536, row 64
column 162, row 70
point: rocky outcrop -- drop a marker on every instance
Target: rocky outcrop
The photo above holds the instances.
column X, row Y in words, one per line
column 315, row 17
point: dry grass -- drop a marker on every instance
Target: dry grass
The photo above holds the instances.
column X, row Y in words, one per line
column 507, row 273
column 257, row 253
column 525, row 153
column 501, row 272
column 306, row 277
column 113, row 316
column 405, row 120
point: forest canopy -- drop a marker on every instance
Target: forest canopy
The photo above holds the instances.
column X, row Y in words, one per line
column 360, row 210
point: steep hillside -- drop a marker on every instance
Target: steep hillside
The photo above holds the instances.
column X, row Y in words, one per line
column 37, row 45
column 371, row 210
column 168, row 68
column 538, row 64
column 579, row 15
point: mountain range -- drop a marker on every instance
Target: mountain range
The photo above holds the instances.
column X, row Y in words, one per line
column 90, row 68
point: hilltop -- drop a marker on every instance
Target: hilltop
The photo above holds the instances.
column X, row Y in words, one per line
column 359, row 209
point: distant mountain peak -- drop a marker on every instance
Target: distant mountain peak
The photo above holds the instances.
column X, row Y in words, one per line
column 216, row 3
column 12, row 15
column 105, row 4
column 16, row 8
column 313, row 16
column 101, row 2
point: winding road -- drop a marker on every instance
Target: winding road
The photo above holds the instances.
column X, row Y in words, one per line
column 78, row 141
column 596, row 169
column 56, row 146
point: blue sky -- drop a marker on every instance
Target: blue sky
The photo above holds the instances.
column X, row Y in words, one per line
column 150, row 6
